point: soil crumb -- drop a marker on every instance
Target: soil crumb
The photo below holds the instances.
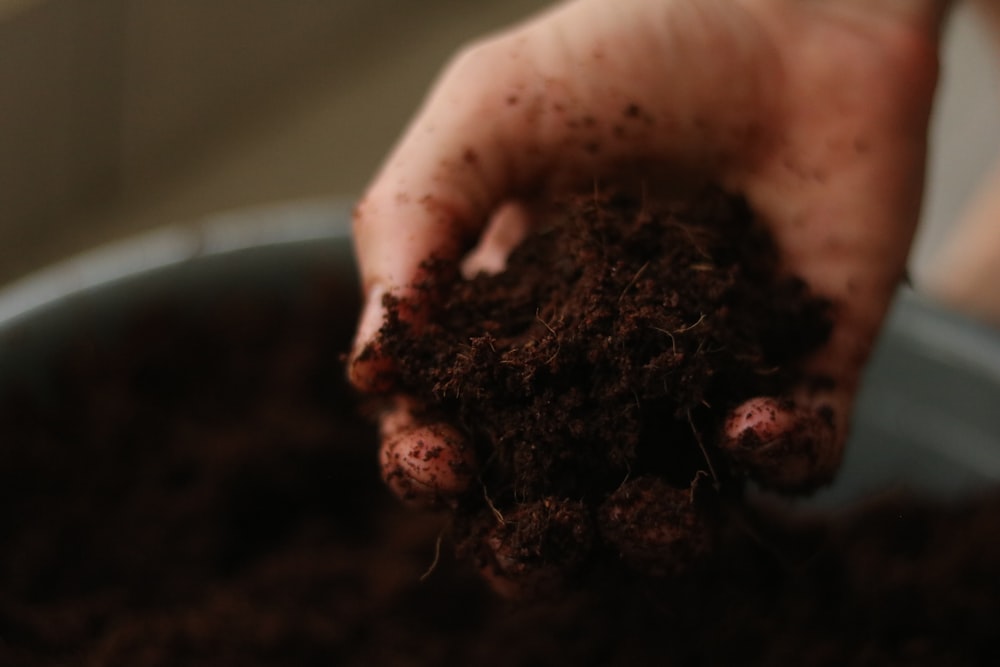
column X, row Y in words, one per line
column 593, row 376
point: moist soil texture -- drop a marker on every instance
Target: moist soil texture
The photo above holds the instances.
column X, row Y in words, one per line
column 194, row 487
column 593, row 376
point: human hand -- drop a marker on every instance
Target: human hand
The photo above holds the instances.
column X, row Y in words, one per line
column 816, row 111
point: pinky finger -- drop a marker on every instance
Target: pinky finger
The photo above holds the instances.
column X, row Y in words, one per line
column 783, row 444
column 427, row 465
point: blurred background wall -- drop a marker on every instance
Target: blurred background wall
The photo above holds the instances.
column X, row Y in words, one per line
column 121, row 115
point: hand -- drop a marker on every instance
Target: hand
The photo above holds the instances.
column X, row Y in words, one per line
column 815, row 110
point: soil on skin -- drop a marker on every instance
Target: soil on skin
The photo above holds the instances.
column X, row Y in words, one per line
column 597, row 369
column 199, row 490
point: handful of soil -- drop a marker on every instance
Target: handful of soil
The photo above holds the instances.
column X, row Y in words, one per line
column 593, row 375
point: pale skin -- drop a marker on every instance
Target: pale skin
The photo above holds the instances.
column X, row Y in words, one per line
column 968, row 266
column 815, row 110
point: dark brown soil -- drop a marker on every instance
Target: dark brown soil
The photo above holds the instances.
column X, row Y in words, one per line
column 594, row 374
column 198, row 491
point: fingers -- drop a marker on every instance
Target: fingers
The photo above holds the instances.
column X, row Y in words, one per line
column 841, row 191
column 426, row 465
column 506, row 230
column 784, row 445
column 457, row 162
column 847, row 236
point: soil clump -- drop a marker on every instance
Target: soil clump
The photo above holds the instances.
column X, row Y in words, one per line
column 593, row 376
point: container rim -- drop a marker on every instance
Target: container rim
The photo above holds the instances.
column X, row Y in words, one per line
column 926, row 410
column 173, row 244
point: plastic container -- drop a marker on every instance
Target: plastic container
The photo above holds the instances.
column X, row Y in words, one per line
column 927, row 419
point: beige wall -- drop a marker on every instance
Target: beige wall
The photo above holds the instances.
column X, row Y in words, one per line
column 189, row 64
column 92, row 91
column 59, row 108
column 98, row 97
column 119, row 115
